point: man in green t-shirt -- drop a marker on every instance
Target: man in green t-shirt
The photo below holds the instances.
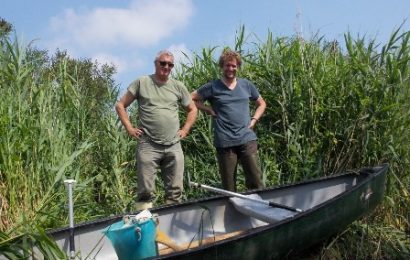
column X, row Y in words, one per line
column 158, row 131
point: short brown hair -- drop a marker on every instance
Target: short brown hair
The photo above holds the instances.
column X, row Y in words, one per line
column 228, row 55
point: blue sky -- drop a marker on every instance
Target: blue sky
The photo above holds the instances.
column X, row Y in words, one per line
column 129, row 33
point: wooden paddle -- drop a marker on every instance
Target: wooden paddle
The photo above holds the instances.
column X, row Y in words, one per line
column 234, row 194
column 174, row 247
column 166, row 240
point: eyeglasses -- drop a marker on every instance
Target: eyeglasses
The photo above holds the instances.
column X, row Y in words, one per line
column 164, row 63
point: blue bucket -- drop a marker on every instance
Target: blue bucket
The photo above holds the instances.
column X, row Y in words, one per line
column 132, row 242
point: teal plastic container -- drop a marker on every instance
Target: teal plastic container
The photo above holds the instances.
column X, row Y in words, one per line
column 133, row 242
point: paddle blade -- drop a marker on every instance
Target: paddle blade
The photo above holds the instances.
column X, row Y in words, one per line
column 260, row 211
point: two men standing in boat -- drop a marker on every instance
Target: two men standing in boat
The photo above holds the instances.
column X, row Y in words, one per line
column 158, row 131
column 234, row 138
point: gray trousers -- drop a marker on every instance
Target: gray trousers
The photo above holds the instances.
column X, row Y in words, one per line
column 247, row 155
column 169, row 159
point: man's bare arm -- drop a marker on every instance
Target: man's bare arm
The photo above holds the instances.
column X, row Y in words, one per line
column 121, row 108
column 260, row 109
column 190, row 120
column 200, row 104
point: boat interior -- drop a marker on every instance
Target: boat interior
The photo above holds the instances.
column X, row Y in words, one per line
column 197, row 223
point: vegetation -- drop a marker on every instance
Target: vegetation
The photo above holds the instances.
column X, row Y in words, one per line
column 330, row 108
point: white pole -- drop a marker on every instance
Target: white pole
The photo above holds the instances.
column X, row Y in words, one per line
column 70, row 183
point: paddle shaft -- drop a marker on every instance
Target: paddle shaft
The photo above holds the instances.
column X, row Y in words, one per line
column 238, row 195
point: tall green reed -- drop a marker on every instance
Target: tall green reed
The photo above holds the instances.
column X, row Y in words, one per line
column 54, row 127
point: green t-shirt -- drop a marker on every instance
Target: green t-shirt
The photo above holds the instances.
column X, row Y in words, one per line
column 158, row 107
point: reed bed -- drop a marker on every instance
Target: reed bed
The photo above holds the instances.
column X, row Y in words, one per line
column 331, row 106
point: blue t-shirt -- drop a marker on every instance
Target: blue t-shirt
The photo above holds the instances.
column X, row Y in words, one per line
column 231, row 124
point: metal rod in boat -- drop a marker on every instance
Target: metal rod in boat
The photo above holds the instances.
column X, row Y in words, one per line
column 70, row 184
column 234, row 194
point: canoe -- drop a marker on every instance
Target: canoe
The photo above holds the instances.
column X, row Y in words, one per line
column 215, row 228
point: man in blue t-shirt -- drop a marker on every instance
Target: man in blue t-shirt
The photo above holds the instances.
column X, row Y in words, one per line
column 234, row 137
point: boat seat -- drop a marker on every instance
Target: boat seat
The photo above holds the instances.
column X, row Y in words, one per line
column 260, row 211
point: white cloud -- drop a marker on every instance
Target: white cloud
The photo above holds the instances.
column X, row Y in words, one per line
column 120, row 36
column 180, row 52
column 144, row 23
column 120, row 63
